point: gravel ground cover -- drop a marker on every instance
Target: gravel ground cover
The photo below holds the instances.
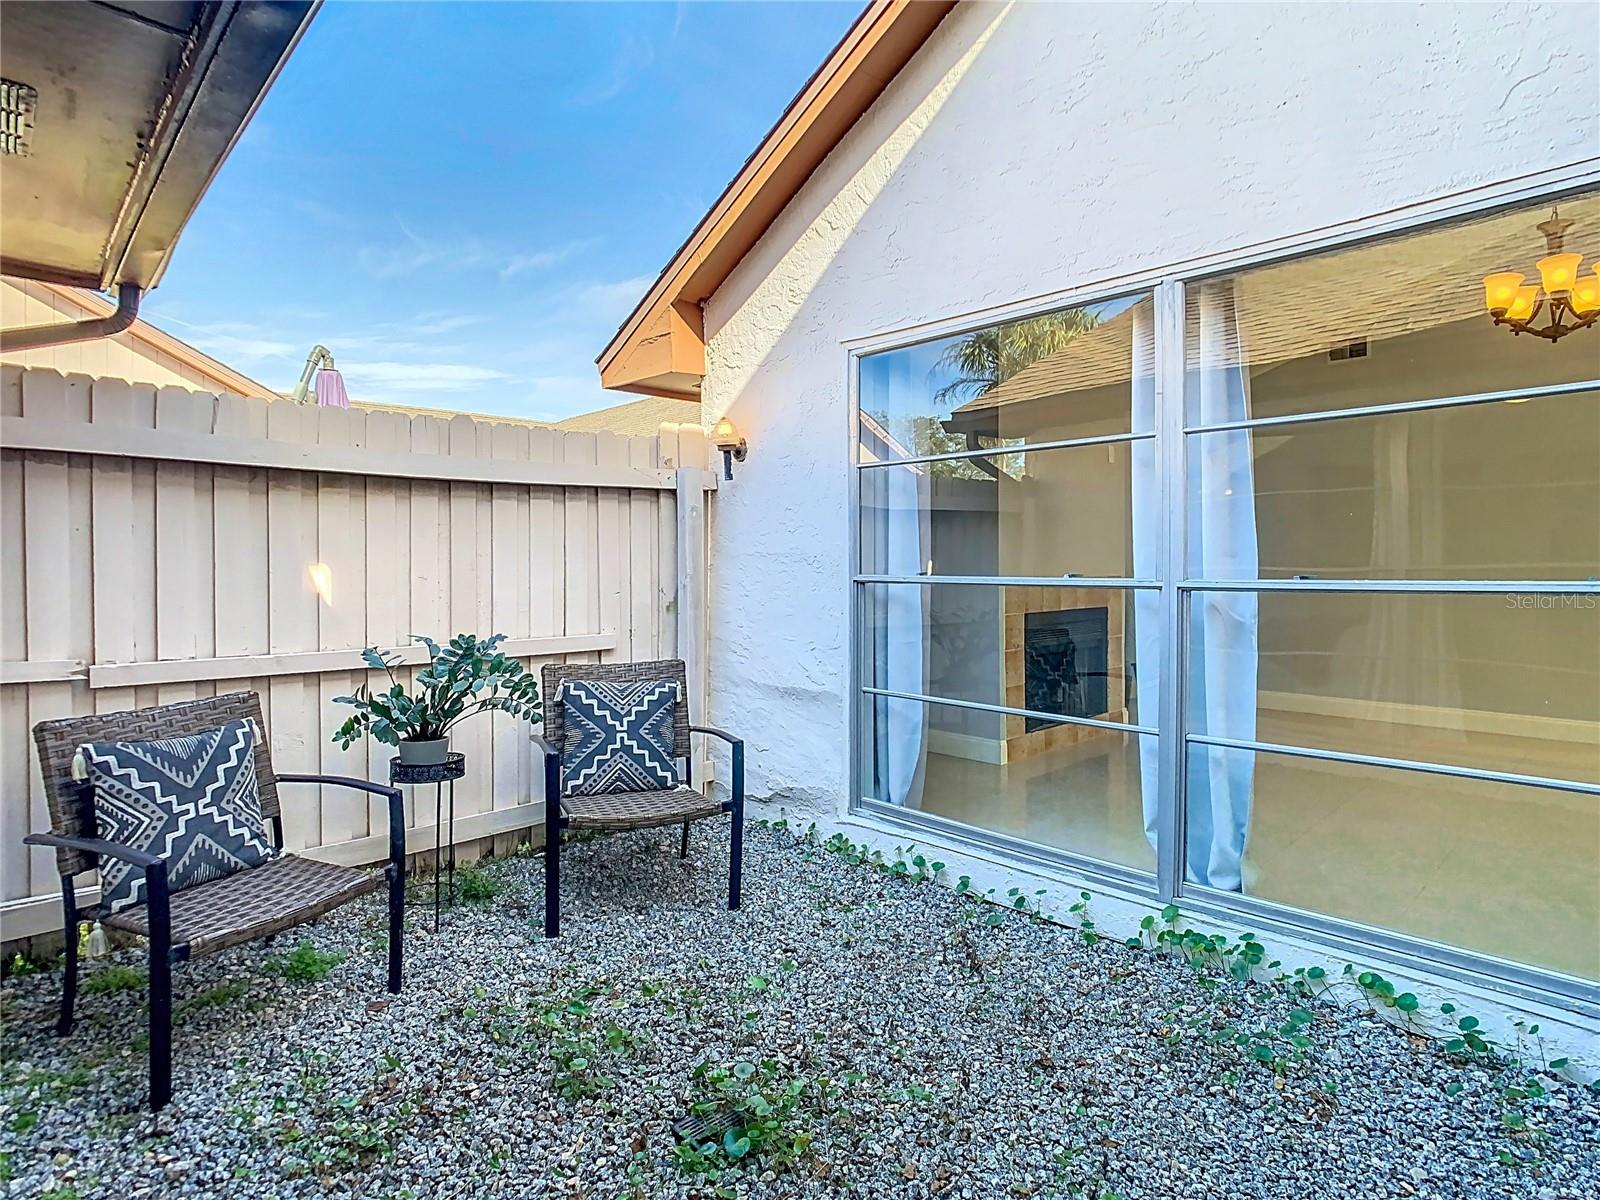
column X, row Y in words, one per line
column 881, row 1037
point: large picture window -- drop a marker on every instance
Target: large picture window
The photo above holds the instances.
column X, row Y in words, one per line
column 1001, row 541
column 1362, row 527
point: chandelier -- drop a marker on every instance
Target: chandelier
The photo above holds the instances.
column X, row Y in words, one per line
column 1567, row 302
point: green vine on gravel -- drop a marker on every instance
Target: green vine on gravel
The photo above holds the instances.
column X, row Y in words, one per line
column 1244, row 959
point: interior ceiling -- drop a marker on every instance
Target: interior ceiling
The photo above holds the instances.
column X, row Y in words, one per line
column 1382, row 290
column 138, row 104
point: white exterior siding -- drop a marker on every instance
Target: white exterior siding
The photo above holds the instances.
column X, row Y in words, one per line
column 1031, row 150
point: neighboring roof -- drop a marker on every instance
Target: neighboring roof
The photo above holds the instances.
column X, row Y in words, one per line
column 660, row 349
column 119, row 116
column 636, row 418
column 91, row 305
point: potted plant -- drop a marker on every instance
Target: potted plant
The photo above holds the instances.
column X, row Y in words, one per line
column 464, row 676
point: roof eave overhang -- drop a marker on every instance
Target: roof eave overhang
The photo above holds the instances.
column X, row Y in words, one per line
column 660, row 348
column 205, row 92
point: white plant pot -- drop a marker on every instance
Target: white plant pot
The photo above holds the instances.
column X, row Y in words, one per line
column 424, row 754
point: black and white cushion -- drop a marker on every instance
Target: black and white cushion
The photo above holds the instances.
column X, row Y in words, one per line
column 191, row 800
column 617, row 737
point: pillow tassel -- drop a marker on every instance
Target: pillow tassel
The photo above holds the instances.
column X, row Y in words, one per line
column 99, row 943
column 80, row 766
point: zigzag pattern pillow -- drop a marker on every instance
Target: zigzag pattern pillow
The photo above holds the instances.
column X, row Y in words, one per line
column 617, row 737
column 191, row 800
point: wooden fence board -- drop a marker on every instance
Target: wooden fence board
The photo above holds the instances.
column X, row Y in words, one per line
column 160, row 545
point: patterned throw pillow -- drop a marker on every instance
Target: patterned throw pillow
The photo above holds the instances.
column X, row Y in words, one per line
column 191, row 800
column 617, row 737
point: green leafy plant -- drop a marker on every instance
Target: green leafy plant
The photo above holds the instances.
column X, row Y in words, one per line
column 765, row 1111
column 1468, row 1041
column 304, row 964
column 217, row 996
column 478, row 886
column 464, row 676
column 569, row 1031
column 116, row 977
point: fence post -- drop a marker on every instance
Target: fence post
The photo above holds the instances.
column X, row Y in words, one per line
column 692, row 577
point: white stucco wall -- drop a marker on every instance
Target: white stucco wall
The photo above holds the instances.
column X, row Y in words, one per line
column 1031, row 149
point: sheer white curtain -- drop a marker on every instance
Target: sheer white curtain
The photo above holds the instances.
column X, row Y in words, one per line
column 896, row 501
column 1403, row 648
column 1223, row 638
column 1146, row 557
column 1222, row 641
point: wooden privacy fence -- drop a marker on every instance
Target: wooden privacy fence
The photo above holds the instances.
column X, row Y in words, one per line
column 161, row 544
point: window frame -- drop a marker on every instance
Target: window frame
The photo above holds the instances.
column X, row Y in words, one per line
column 1171, row 434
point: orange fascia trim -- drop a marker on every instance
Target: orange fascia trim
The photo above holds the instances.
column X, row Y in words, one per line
column 660, row 349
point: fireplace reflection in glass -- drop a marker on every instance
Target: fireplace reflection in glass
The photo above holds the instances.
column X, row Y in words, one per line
column 1064, row 655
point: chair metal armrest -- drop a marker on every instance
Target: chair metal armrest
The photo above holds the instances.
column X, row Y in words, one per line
column 717, row 733
column 735, row 803
column 542, row 744
column 360, row 785
column 142, row 859
column 397, row 812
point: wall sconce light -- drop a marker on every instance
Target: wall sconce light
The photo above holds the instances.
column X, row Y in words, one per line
column 734, row 448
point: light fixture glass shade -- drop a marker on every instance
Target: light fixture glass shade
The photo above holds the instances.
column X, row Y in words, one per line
column 1500, row 289
column 1558, row 272
column 724, row 435
column 1522, row 306
column 1585, row 297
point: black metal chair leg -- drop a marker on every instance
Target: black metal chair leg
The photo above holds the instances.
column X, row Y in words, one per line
column 397, row 924
column 736, row 839
column 552, row 845
column 552, row 882
column 160, row 918
column 683, row 846
column 69, row 976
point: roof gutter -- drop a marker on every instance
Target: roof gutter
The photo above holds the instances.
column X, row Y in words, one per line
column 37, row 337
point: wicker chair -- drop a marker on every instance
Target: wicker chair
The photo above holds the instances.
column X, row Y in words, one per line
column 242, row 907
column 630, row 810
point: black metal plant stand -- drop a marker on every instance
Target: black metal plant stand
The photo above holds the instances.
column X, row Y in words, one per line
column 451, row 769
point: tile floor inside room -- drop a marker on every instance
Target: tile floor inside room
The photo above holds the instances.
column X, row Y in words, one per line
column 1513, row 871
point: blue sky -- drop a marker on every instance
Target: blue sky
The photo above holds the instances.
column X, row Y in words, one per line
column 463, row 201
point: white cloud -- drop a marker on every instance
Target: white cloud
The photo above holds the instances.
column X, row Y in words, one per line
column 418, row 377
column 461, row 252
column 437, row 323
column 539, row 259
column 227, row 347
column 615, row 299
column 632, row 58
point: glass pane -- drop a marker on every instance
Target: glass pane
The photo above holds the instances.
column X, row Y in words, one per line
column 1081, row 792
column 1498, row 682
column 1066, row 374
column 1039, row 513
column 1062, row 650
column 1385, row 323
column 1511, row 871
column 1456, row 493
